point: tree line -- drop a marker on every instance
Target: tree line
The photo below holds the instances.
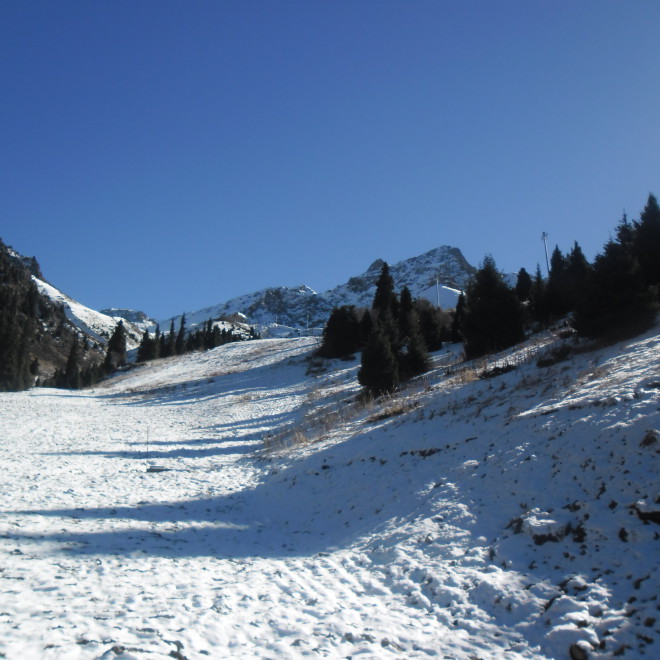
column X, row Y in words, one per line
column 614, row 297
column 181, row 341
column 176, row 342
column 395, row 335
column 19, row 315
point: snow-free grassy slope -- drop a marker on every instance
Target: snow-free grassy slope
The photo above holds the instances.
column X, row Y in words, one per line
column 509, row 517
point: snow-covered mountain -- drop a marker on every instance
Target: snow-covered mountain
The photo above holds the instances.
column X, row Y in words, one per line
column 437, row 275
column 138, row 318
column 97, row 326
column 244, row 503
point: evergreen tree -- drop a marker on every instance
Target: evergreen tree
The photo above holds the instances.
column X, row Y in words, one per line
column 180, row 343
column 457, row 321
column 208, row 335
column 557, row 303
column 575, row 276
column 493, row 318
column 169, row 344
column 431, row 324
column 617, row 302
column 379, row 371
column 115, row 356
column 406, row 313
column 625, row 233
column 646, row 243
column 523, row 285
column 537, row 302
column 341, row 334
column 414, row 357
column 366, row 327
column 72, row 379
column 157, row 342
column 385, row 298
column 147, row 348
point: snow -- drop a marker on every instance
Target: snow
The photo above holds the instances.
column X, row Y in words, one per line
column 461, row 518
column 96, row 325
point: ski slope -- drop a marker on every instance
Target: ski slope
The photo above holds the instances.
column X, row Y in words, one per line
column 239, row 503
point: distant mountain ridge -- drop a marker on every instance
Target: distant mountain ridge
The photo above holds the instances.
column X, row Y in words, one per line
column 438, row 275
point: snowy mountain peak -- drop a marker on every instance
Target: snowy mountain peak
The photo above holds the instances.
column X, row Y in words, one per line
column 438, row 275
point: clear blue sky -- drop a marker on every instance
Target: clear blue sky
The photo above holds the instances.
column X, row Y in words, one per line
column 167, row 156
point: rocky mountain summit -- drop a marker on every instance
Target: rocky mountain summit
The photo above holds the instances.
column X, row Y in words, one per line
column 438, row 275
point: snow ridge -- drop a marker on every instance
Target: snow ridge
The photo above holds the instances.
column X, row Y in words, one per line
column 437, row 275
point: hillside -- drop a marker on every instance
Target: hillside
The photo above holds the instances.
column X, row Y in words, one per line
column 437, row 275
column 44, row 322
column 243, row 503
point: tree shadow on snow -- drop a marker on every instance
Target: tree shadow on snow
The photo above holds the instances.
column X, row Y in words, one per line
column 322, row 502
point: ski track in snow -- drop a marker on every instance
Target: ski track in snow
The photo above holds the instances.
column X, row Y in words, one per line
column 465, row 518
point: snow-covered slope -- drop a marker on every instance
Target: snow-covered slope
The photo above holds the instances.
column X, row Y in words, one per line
column 96, row 325
column 437, row 275
column 242, row 503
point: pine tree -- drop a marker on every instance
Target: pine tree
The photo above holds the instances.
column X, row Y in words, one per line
column 414, row 357
column 168, row 345
column 575, row 276
column 72, row 378
column 493, row 318
column 431, row 324
column 385, row 297
column 341, row 334
column 379, row 371
column 147, row 348
column 523, row 285
column 115, row 356
column 537, row 302
column 646, row 243
column 557, row 303
column 180, row 343
column 157, row 342
column 617, row 301
column 366, row 327
column 458, row 319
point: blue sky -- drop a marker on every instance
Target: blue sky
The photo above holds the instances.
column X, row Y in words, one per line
column 167, row 156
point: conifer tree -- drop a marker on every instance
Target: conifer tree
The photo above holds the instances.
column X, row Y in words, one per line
column 72, row 378
column 431, row 324
column 366, row 327
column 157, row 342
column 115, row 356
column 538, row 307
column 646, row 243
column 575, row 276
column 379, row 371
column 341, row 334
column 493, row 318
column 457, row 321
column 147, row 348
column 556, row 303
column 617, row 302
column 180, row 343
column 385, row 298
column 169, row 345
column 414, row 357
column 523, row 285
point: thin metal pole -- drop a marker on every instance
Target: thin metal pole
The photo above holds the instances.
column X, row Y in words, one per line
column 544, row 237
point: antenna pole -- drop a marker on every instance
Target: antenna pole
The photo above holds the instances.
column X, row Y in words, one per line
column 544, row 238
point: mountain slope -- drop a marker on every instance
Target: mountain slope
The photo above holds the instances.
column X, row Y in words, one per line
column 437, row 274
column 512, row 516
column 45, row 321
